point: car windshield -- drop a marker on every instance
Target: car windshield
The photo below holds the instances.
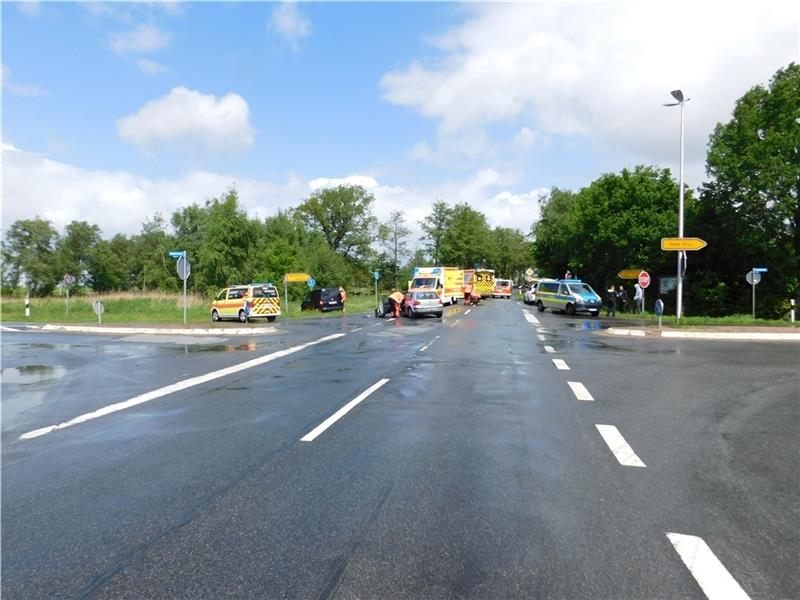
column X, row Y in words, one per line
column 580, row 288
column 329, row 293
column 426, row 295
column 424, row 282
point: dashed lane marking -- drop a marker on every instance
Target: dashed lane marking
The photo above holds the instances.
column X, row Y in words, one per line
column 560, row 364
column 549, row 349
column 541, row 330
column 619, row 447
column 531, row 319
column 712, row 576
column 541, row 337
column 356, row 329
column 320, row 429
column 428, row 345
column 176, row 387
column 466, row 312
column 580, row 391
column 454, row 323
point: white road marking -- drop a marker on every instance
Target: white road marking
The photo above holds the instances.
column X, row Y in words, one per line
column 428, row 345
column 560, row 364
column 4, row 328
column 580, row 391
column 712, row 576
column 550, row 349
column 176, row 387
column 356, row 329
column 454, row 323
column 541, row 330
column 541, row 337
column 319, row 429
column 466, row 312
column 619, row 447
column 531, row 319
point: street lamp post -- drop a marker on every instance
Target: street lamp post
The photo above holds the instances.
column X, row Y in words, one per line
column 678, row 95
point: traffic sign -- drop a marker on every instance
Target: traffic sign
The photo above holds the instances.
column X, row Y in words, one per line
column 311, row 282
column 529, row 272
column 98, row 308
column 753, row 277
column 682, row 244
column 659, row 306
column 69, row 279
column 629, row 273
column 644, row 279
column 760, row 269
column 184, row 268
column 376, row 275
column 177, row 253
column 297, row 277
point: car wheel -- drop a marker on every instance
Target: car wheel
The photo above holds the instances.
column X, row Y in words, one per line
column 438, row 315
column 540, row 306
column 242, row 316
column 571, row 310
column 215, row 316
column 271, row 319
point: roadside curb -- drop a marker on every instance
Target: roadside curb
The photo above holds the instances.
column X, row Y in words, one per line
column 160, row 331
column 708, row 335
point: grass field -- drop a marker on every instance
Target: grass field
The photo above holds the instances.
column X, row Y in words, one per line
column 131, row 307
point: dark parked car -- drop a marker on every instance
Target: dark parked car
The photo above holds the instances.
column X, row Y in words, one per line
column 322, row 299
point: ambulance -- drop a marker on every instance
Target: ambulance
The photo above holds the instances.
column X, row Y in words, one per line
column 484, row 282
column 503, row 288
column 244, row 302
column 447, row 282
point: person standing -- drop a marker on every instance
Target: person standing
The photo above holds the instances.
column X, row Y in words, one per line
column 611, row 302
column 638, row 299
column 342, row 297
column 622, row 299
column 396, row 302
column 568, row 275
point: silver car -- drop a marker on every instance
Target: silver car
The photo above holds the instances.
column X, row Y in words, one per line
column 422, row 303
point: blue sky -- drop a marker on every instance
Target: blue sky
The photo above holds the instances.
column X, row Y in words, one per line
column 113, row 111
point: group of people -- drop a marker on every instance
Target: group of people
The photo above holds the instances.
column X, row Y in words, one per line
column 619, row 298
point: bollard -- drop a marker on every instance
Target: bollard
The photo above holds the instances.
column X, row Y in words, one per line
column 792, row 303
column 28, row 307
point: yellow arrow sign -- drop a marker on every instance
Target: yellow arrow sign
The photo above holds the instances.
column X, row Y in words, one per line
column 297, row 277
column 690, row 243
column 629, row 273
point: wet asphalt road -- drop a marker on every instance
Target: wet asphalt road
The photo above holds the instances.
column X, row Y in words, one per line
column 474, row 472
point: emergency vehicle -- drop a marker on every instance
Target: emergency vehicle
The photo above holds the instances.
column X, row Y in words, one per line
column 484, row 282
column 243, row 302
column 502, row 288
column 447, row 282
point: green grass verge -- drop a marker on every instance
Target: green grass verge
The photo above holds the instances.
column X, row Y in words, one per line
column 145, row 308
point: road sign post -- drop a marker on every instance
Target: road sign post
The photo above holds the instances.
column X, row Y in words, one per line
column 184, row 269
column 644, row 283
column 376, row 276
column 659, row 306
column 753, row 277
column 68, row 281
column 98, row 309
column 681, row 245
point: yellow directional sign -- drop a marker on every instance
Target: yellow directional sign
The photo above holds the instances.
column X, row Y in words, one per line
column 690, row 243
column 297, row 277
column 629, row 273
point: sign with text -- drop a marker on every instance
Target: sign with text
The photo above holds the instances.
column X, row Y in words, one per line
column 629, row 273
column 297, row 277
column 682, row 244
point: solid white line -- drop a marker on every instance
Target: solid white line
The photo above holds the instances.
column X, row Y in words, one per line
column 560, row 364
column 549, row 349
column 356, row 329
column 466, row 312
column 541, row 337
column 4, row 328
column 580, row 391
column 454, row 323
column 319, row 429
column 428, row 345
column 712, row 576
column 176, row 387
column 619, row 447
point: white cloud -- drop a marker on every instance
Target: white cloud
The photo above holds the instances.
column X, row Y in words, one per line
column 19, row 89
column 600, row 71
column 525, row 138
column 150, row 67
column 144, row 38
column 289, row 23
column 184, row 118
column 365, row 181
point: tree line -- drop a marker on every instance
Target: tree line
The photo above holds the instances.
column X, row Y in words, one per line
column 332, row 235
column 747, row 211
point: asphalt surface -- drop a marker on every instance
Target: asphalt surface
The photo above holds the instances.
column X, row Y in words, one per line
column 473, row 472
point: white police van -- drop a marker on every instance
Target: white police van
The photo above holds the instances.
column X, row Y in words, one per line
column 567, row 295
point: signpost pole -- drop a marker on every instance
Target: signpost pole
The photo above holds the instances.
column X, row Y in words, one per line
column 753, row 276
column 185, row 259
column 68, row 301
column 286, row 292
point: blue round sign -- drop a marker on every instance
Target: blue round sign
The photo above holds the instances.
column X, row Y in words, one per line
column 659, row 307
column 376, row 275
column 311, row 282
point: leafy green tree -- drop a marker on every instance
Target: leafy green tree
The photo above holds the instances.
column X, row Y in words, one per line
column 151, row 265
column 110, row 264
column 29, row 249
column 512, row 252
column 435, row 226
column 749, row 212
column 344, row 217
column 75, row 249
column 392, row 234
column 467, row 241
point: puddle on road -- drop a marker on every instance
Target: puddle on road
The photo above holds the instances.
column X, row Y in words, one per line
column 32, row 374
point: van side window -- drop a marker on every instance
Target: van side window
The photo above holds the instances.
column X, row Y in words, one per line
column 221, row 295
